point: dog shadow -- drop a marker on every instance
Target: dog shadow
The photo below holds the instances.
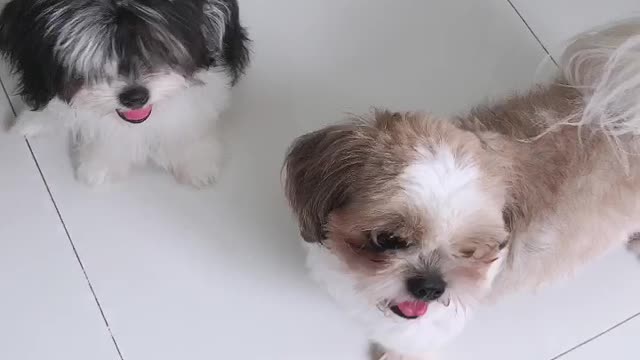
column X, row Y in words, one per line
column 8, row 119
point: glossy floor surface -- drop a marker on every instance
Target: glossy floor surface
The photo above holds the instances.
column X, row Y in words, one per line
column 147, row 269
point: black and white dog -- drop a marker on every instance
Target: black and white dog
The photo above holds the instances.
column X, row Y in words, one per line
column 134, row 80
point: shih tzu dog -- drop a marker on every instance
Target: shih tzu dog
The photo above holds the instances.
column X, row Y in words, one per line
column 413, row 221
column 133, row 80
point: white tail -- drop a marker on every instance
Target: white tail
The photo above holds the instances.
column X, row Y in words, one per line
column 604, row 65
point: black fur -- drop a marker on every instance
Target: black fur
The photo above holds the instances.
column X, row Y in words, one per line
column 235, row 42
column 132, row 33
column 30, row 53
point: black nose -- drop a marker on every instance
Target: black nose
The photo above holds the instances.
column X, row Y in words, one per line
column 134, row 97
column 426, row 288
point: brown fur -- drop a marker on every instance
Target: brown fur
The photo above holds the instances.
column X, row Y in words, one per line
column 571, row 173
column 342, row 182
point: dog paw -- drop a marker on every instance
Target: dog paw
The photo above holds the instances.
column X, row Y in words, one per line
column 27, row 126
column 198, row 165
column 198, row 174
column 94, row 173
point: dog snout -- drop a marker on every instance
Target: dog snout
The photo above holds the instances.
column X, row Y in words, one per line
column 426, row 288
column 134, row 97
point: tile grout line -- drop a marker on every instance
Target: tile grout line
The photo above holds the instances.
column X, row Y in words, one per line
column 75, row 251
column 597, row 336
column 544, row 48
column 66, row 230
column 535, row 36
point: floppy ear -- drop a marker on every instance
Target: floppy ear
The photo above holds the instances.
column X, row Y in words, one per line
column 320, row 170
column 329, row 169
column 25, row 46
column 235, row 42
column 227, row 39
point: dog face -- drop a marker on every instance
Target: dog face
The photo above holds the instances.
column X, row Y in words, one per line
column 118, row 55
column 412, row 206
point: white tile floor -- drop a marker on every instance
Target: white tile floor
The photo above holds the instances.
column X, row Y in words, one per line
column 147, row 269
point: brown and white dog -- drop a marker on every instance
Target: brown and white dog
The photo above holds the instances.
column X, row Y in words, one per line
column 413, row 221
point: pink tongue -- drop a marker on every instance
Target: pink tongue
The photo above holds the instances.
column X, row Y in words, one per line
column 138, row 114
column 413, row 308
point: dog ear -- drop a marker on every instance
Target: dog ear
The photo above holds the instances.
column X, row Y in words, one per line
column 320, row 171
column 231, row 41
column 24, row 45
column 512, row 212
column 235, row 42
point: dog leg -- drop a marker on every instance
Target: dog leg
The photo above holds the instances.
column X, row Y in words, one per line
column 97, row 163
column 198, row 163
column 32, row 123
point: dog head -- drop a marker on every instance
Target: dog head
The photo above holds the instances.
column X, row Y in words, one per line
column 412, row 206
column 118, row 55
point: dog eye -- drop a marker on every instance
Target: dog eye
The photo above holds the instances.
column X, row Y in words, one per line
column 467, row 253
column 385, row 241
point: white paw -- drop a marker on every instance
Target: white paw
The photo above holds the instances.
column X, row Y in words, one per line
column 197, row 165
column 197, row 172
column 94, row 172
column 27, row 125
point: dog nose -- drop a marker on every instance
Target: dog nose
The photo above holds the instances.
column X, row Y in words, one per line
column 426, row 288
column 134, row 97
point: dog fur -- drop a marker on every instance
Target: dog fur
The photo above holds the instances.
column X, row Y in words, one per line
column 132, row 80
column 509, row 197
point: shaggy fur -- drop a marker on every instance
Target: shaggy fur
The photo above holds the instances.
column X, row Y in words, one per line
column 508, row 197
column 133, row 80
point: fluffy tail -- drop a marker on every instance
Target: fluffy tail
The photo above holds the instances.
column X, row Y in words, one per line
column 604, row 65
